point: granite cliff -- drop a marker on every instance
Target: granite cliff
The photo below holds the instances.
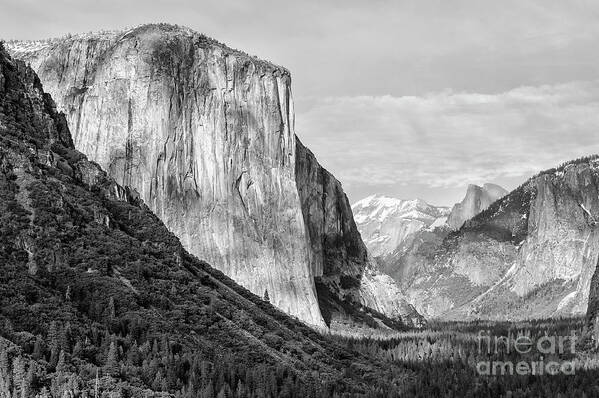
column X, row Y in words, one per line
column 205, row 135
column 344, row 271
column 531, row 254
column 528, row 254
column 476, row 200
column 98, row 297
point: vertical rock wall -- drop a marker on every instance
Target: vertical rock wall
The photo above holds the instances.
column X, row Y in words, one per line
column 206, row 136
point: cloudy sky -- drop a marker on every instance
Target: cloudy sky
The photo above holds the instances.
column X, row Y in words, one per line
column 405, row 98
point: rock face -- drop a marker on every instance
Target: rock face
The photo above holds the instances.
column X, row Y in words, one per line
column 339, row 258
column 476, row 200
column 402, row 234
column 205, row 134
column 83, row 258
column 530, row 255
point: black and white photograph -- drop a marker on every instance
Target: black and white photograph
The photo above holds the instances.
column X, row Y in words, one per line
column 299, row 199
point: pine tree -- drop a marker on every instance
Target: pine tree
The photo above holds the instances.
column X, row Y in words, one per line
column 61, row 366
column 208, row 391
column 53, row 336
column 112, row 363
column 54, row 354
column 241, row 391
column 266, row 297
column 38, row 347
column 134, row 356
column 4, row 364
column 158, row 384
column 111, row 309
column 29, row 380
column 65, row 338
column 5, row 373
column 78, row 349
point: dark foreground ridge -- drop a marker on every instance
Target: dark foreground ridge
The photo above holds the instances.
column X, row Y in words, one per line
column 98, row 297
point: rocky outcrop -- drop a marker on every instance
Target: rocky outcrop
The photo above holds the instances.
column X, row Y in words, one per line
column 339, row 259
column 476, row 200
column 205, row 134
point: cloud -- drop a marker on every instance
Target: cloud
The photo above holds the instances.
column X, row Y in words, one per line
column 357, row 47
column 449, row 139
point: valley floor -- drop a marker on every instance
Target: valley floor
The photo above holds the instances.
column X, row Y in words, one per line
column 539, row 358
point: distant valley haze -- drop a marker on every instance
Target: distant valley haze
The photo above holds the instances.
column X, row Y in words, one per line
column 407, row 99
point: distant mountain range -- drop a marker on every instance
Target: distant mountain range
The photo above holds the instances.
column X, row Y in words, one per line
column 529, row 253
column 387, row 223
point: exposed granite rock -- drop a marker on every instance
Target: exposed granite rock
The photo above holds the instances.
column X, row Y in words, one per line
column 381, row 292
column 205, row 134
column 476, row 200
column 82, row 258
column 530, row 255
column 405, row 236
column 339, row 258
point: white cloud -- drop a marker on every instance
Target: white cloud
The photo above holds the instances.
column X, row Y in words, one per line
column 450, row 139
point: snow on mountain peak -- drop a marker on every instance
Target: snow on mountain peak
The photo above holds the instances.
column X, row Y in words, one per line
column 384, row 222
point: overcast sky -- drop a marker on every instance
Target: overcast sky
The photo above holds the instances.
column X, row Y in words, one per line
column 405, row 98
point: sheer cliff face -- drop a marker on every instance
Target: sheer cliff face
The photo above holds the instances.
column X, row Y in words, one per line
column 476, row 200
column 532, row 254
column 79, row 253
column 340, row 262
column 205, row 135
column 336, row 246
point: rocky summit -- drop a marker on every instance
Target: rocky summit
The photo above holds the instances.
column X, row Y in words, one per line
column 476, row 200
column 205, row 135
